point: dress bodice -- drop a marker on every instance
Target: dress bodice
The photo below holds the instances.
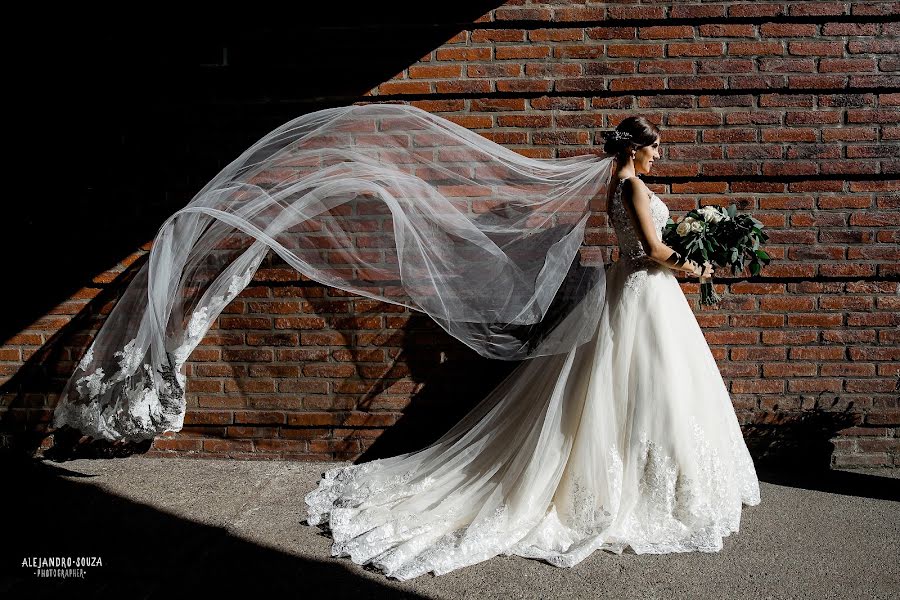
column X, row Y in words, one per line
column 630, row 248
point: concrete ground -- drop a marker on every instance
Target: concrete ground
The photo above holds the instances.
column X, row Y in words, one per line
column 165, row 527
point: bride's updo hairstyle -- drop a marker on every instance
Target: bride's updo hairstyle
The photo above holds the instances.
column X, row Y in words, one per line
column 632, row 133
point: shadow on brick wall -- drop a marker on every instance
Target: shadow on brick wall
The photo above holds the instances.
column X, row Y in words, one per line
column 453, row 379
column 798, row 441
column 796, row 450
column 140, row 114
column 129, row 119
column 30, row 394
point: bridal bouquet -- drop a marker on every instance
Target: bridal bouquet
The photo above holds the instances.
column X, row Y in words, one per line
column 721, row 236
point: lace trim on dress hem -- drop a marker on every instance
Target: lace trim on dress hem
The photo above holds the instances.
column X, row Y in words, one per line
column 676, row 510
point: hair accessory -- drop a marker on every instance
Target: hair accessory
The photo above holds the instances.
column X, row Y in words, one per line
column 617, row 135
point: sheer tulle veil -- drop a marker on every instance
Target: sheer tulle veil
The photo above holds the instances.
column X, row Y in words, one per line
column 386, row 201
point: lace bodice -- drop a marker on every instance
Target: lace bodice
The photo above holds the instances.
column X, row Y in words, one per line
column 630, row 248
column 631, row 253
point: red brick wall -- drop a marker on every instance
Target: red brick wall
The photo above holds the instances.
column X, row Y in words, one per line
column 789, row 109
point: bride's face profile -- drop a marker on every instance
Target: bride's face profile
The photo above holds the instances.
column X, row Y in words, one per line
column 644, row 157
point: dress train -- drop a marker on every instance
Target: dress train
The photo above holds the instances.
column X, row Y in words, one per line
column 627, row 441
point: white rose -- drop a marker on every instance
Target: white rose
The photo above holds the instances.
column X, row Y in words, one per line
column 683, row 228
column 697, row 226
column 710, row 214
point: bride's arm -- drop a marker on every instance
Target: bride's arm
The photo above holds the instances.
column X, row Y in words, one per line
column 636, row 199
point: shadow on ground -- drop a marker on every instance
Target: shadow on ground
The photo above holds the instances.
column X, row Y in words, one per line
column 145, row 550
column 863, row 485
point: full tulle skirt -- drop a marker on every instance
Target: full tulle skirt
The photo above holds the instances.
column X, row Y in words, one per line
column 628, row 441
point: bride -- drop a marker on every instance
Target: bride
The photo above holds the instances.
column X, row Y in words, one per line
column 627, row 441
column 616, row 430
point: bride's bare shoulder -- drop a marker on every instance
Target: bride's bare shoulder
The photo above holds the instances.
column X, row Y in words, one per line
column 634, row 187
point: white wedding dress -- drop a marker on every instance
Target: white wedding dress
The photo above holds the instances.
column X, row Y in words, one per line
column 628, row 441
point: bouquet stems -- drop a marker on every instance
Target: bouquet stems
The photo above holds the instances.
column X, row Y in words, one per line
column 708, row 295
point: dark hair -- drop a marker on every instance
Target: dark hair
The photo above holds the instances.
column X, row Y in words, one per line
column 633, row 132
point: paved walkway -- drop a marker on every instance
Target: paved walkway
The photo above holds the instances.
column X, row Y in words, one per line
column 187, row 526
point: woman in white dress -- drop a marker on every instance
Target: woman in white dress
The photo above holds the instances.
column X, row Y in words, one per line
column 627, row 441
column 616, row 431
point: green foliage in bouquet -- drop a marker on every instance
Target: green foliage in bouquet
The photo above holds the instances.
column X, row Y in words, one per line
column 721, row 236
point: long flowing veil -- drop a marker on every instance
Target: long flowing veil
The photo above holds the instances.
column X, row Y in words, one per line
column 386, row 201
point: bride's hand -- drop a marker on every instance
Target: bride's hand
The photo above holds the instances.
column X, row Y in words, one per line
column 707, row 270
